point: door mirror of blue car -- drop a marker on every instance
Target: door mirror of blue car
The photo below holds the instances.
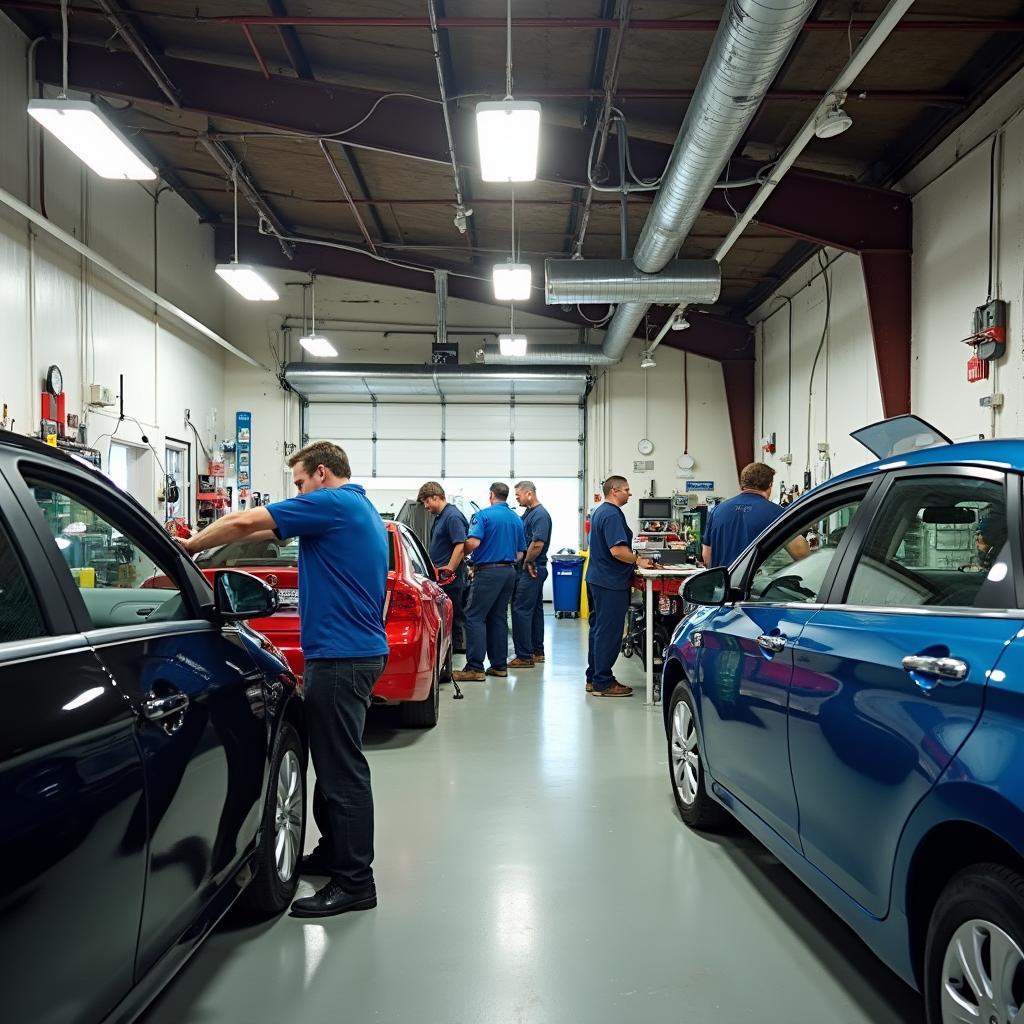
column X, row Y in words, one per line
column 710, row 587
column 238, row 595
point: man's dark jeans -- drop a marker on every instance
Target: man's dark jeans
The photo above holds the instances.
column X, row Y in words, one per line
column 456, row 590
column 528, row 613
column 487, row 617
column 608, row 608
column 337, row 693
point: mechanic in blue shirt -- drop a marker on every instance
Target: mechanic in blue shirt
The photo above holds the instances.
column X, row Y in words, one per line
column 609, row 575
column 447, row 551
column 343, row 571
column 733, row 524
column 497, row 542
column 528, row 596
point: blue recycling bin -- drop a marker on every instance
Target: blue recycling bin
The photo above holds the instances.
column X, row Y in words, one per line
column 566, row 585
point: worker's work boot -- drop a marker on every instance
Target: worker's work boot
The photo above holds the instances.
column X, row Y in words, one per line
column 468, row 676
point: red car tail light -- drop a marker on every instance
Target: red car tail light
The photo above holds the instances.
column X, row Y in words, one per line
column 405, row 604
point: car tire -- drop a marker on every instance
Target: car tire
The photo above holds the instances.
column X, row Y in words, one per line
column 685, row 768
column 283, row 835
column 978, row 914
column 422, row 714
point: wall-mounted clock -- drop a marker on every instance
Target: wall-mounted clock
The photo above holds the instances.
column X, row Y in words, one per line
column 644, row 446
column 54, row 381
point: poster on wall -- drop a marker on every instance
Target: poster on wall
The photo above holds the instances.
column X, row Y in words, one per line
column 243, row 454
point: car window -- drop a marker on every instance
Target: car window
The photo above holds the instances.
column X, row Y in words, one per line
column 416, row 558
column 20, row 615
column 254, row 553
column 936, row 541
column 794, row 569
column 120, row 582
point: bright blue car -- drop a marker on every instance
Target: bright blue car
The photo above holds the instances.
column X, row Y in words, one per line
column 861, row 709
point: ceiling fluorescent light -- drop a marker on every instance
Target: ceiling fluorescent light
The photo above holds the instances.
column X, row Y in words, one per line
column 511, row 281
column 509, row 135
column 246, row 281
column 512, row 344
column 318, row 346
column 81, row 126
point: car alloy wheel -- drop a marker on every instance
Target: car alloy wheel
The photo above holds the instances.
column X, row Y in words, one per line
column 982, row 975
column 288, row 815
column 685, row 757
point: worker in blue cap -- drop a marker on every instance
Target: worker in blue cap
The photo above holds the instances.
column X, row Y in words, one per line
column 496, row 542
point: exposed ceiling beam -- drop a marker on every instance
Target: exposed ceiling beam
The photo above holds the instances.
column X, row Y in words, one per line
column 290, row 40
column 825, row 210
column 660, row 25
column 709, row 336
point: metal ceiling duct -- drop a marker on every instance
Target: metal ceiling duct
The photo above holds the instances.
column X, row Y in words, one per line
column 550, row 355
column 753, row 39
column 597, row 281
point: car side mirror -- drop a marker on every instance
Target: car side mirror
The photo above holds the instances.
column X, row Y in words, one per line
column 239, row 595
column 710, row 587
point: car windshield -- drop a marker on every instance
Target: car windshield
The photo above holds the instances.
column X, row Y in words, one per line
column 268, row 553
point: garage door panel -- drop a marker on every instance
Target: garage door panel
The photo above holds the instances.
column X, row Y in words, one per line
column 409, row 458
column 478, row 421
column 409, row 422
column 340, row 422
column 478, row 458
column 546, row 422
column 543, row 458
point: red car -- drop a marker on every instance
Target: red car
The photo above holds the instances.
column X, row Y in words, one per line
column 417, row 616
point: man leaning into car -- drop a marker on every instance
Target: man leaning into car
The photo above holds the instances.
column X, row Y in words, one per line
column 343, row 567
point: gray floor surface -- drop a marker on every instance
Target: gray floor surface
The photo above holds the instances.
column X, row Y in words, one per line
column 532, row 869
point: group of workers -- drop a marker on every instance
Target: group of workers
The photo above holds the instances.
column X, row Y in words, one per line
column 343, row 568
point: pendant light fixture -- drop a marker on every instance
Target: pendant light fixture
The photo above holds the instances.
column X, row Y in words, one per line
column 508, row 130
column 314, row 345
column 243, row 277
column 86, row 131
column 512, row 278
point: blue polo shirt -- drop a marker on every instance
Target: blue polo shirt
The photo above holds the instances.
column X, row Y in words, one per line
column 449, row 530
column 501, row 535
column 343, row 570
column 537, row 526
column 735, row 523
column 608, row 529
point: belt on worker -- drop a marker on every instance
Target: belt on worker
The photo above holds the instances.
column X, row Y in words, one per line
column 494, row 565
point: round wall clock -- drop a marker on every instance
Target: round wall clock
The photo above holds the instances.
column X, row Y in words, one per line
column 54, row 380
column 644, row 446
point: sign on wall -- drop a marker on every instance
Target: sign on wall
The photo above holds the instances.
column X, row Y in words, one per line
column 700, row 485
column 243, row 455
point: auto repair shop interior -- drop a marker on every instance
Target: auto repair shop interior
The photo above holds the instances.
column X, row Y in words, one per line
column 506, row 241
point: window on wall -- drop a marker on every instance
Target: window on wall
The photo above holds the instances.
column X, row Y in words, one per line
column 117, row 464
column 175, row 487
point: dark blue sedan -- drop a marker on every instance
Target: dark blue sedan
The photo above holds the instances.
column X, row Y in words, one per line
column 861, row 709
column 152, row 747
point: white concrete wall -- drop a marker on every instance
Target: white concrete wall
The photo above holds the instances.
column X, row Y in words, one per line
column 55, row 308
column 949, row 279
column 628, row 403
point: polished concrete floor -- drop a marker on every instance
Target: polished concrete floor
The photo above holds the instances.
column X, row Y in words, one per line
column 532, row 870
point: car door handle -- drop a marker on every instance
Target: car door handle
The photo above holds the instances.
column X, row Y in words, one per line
column 156, row 708
column 949, row 669
column 771, row 643
column 143, row 612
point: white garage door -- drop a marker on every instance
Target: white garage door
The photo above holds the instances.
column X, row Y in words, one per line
column 458, row 439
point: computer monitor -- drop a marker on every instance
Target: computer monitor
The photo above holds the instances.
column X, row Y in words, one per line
column 655, row 508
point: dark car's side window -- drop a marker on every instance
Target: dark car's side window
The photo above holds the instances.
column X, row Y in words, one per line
column 20, row 616
column 794, row 568
column 120, row 582
column 937, row 541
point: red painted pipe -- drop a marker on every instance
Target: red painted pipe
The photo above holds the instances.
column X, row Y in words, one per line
column 256, row 52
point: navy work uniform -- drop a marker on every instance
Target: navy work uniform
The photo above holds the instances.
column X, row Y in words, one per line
column 608, row 590
column 449, row 530
column 502, row 541
column 528, row 600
